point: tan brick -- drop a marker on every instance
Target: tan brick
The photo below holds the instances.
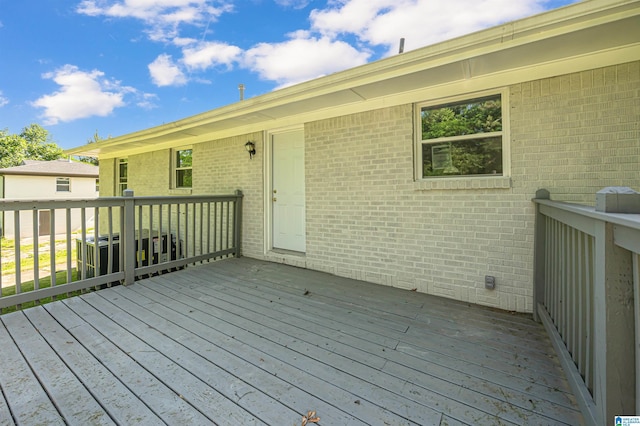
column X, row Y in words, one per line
column 368, row 219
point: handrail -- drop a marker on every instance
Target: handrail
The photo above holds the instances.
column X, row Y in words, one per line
column 623, row 219
column 130, row 237
column 586, row 278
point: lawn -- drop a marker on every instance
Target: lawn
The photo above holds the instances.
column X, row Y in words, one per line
column 27, row 260
column 27, row 265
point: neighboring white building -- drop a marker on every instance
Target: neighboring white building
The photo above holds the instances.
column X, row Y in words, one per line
column 46, row 180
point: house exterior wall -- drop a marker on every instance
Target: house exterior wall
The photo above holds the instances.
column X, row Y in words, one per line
column 219, row 167
column 27, row 187
column 156, row 173
column 575, row 134
column 222, row 167
column 367, row 217
column 44, row 187
column 368, row 220
column 107, row 177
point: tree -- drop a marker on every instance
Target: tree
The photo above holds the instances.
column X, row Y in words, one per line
column 463, row 144
column 92, row 160
column 33, row 143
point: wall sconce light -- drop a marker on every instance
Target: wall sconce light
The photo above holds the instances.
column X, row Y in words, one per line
column 251, row 148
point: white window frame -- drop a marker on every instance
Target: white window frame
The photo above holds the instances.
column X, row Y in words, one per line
column 121, row 184
column 63, row 182
column 175, row 169
column 419, row 144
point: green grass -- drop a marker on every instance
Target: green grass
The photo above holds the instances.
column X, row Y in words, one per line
column 44, row 282
column 27, row 263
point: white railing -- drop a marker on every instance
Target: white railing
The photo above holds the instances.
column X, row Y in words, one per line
column 586, row 278
column 116, row 240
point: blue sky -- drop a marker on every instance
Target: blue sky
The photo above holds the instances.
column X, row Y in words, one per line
column 78, row 67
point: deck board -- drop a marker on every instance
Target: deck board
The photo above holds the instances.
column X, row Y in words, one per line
column 486, row 353
column 488, row 404
column 26, row 398
column 243, row 341
column 118, row 402
column 284, row 381
column 61, row 384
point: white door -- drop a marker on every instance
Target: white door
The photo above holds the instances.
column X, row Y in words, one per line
column 289, row 229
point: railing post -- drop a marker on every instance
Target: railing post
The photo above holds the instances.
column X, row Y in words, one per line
column 614, row 336
column 128, row 243
column 237, row 223
column 539, row 254
column 636, row 298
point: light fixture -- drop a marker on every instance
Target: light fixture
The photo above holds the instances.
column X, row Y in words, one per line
column 251, row 148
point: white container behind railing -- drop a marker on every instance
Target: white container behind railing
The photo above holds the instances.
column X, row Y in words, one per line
column 119, row 240
column 586, row 277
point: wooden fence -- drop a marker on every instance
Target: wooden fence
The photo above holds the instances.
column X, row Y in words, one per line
column 119, row 240
column 587, row 278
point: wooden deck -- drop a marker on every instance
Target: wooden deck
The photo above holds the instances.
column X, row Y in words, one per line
column 241, row 342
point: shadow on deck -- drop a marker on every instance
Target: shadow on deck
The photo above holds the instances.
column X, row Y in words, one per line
column 241, row 341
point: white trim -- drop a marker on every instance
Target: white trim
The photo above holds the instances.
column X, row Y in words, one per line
column 67, row 184
column 267, row 159
column 175, row 168
column 268, row 180
column 120, row 160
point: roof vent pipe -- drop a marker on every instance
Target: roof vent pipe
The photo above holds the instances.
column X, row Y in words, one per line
column 401, row 50
column 241, row 89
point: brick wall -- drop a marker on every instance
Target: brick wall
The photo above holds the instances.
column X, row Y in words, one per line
column 219, row 167
column 149, row 174
column 222, row 167
column 107, row 177
column 577, row 133
column 367, row 219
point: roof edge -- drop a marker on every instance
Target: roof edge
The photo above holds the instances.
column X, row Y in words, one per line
column 545, row 25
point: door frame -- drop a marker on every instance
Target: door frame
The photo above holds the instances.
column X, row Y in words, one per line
column 268, row 181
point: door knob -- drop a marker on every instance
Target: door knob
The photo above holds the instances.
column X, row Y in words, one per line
column 275, row 199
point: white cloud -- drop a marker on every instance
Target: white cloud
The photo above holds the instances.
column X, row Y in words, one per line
column 420, row 22
column 82, row 94
column 295, row 4
column 164, row 72
column 183, row 41
column 209, row 54
column 342, row 34
column 162, row 17
column 147, row 101
column 3, row 100
column 302, row 58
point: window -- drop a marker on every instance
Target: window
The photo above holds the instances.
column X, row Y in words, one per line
column 122, row 166
column 97, row 185
column 462, row 138
column 63, row 184
column 183, row 167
